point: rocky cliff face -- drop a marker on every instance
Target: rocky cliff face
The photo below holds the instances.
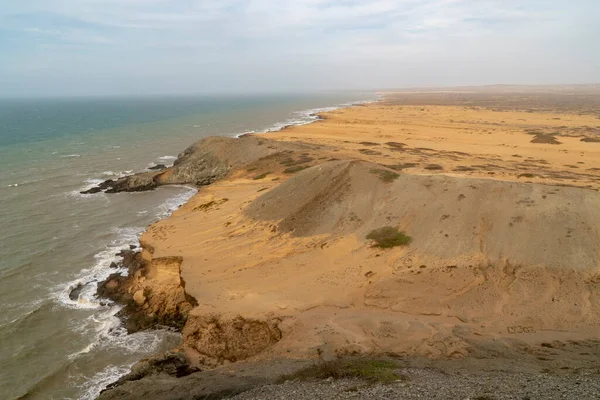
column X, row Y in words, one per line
column 213, row 339
column 153, row 293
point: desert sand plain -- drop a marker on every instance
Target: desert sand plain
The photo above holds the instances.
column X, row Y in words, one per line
column 499, row 193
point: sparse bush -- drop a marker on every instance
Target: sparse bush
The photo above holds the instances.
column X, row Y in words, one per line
column 385, row 175
column 526, row 175
column 294, row 169
column 261, row 176
column 388, row 237
column 546, row 138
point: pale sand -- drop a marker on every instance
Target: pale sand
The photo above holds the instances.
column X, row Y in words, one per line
column 492, row 264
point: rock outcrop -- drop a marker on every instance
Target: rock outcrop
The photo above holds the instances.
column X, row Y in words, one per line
column 213, row 339
column 153, row 292
column 203, row 163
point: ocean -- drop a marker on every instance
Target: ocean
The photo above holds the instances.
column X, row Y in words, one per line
column 53, row 239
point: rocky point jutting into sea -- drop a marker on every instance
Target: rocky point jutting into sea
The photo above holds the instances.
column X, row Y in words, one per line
column 274, row 265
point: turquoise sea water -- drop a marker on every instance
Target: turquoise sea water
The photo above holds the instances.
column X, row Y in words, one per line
column 53, row 239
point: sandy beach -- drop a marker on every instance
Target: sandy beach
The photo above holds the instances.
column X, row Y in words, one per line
column 498, row 194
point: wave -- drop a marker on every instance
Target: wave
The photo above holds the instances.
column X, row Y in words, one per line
column 167, row 158
column 36, row 308
column 173, row 203
column 87, row 280
column 102, row 379
column 71, row 156
column 306, row 117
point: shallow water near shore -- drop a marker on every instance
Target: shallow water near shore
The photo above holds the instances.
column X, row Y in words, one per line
column 54, row 239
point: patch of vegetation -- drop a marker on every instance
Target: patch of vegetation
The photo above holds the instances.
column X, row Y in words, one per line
column 400, row 167
column 369, row 152
column 388, row 237
column 261, row 176
column 292, row 170
column 545, row 138
column 462, row 168
column 369, row 143
column 288, row 162
column 370, row 370
column 396, row 146
column 590, row 140
column 385, row 175
column 434, row 167
column 211, row 204
column 251, row 169
column 526, row 175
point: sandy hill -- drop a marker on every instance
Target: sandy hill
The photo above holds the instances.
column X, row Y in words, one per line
column 519, row 223
column 286, row 268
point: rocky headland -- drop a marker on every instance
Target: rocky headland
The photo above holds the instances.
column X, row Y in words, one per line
column 274, row 265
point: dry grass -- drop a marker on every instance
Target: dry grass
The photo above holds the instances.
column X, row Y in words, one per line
column 385, row 175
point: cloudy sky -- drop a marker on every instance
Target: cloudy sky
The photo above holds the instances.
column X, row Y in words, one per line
column 103, row 47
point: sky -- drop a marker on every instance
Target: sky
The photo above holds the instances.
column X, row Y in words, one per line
column 106, row 47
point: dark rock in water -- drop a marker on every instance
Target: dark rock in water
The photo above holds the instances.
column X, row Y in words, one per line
column 100, row 188
column 92, row 190
column 132, row 247
column 74, row 295
column 158, row 167
column 113, row 265
column 133, row 183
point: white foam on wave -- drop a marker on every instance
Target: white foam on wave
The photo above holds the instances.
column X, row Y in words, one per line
column 88, row 278
column 71, row 156
column 116, row 338
column 102, row 379
column 306, row 117
column 167, row 158
column 173, row 203
column 99, row 271
column 87, row 185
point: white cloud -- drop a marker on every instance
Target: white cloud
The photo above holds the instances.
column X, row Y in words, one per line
column 307, row 44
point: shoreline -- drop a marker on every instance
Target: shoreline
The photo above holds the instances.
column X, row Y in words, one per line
column 245, row 171
column 75, row 287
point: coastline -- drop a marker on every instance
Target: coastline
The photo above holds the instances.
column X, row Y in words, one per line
column 266, row 322
column 79, row 291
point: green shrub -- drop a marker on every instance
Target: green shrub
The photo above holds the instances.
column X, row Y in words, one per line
column 388, row 237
